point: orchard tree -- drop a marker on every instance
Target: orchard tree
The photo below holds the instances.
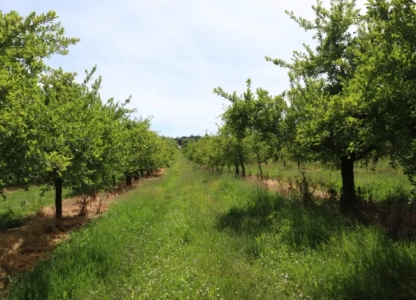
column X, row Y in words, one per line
column 113, row 115
column 24, row 44
column 156, row 153
column 329, row 113
column 388, row 73
column 133, row 146
column 267, row 126
column 70, row 141
column 236, row 121
column 255, row 120
column 143, row 150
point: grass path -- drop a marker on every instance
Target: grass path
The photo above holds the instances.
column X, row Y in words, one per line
column 195, row 235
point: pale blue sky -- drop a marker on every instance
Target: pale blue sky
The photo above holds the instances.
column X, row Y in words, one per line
column 169, row 55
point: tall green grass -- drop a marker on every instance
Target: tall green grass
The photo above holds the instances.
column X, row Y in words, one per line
column 194, row 234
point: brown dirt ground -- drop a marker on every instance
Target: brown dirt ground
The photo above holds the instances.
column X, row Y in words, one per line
column 21, row 248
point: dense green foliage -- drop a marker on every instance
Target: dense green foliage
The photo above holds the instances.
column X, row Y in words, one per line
column 194, row 234
column 350, row 98
column 57, row 131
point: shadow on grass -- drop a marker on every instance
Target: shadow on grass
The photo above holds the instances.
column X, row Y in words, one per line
column 367, row 264
column 254, row 217
column 395, row 213
column 299, row 226
column 333, row 257
column 9, row 219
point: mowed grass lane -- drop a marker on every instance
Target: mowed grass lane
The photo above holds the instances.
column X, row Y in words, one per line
column 197, row 235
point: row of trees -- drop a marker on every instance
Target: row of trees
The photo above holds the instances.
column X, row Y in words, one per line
column 251, row 132
column 184, row 139
column 57, row 131
column 350, row 99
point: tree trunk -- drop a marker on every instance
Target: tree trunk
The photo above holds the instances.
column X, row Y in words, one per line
column 347, row 202
column 58, row 197
column 237, row 171
column 298, row 162
column 141, row 173
column 128, row 180
column 284, row 163
column 261, row 171
column 114, row 180
column 243, row 170
column 259, row 164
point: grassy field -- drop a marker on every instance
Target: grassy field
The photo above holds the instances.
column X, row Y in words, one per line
column 378, row 180
column 19, row 203
column 198, row 235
